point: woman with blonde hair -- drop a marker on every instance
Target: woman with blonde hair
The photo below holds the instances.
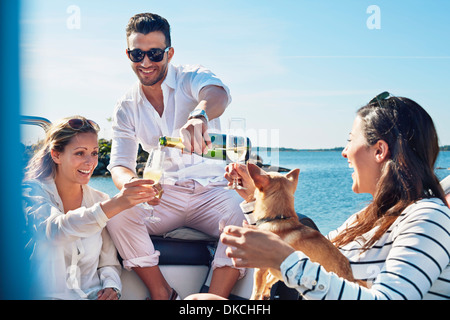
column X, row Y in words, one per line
column 73, row 256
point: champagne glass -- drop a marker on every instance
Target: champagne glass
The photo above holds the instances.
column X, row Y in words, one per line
column 153, row 170
column 236, row 145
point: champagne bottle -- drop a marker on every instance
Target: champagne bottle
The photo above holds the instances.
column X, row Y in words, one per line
column 216, row 151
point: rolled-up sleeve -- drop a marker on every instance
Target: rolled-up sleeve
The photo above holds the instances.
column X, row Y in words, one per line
column 124, row 145
column 201, row 78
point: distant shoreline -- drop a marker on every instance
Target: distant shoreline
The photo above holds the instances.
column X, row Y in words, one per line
column 105, row 150
column 338, row 149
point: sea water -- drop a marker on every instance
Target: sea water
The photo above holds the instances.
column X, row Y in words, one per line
column 324, row 192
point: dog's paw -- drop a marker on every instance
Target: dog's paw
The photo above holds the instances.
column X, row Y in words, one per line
column 257, row 296
column 265, row 295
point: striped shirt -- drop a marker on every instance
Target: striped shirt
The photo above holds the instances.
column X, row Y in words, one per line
column 410, row 261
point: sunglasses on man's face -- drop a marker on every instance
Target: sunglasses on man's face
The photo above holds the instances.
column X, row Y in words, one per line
column 77, row 124
column 155, row 54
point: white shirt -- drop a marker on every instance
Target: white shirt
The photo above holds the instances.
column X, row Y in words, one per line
column 73, row 255
column 410, row 261
column 136, row 122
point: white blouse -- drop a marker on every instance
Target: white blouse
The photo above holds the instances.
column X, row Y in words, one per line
column 73, row 256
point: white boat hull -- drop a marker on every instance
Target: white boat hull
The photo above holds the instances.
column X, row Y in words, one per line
column 186, row 280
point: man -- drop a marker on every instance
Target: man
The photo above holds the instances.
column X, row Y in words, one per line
column 172, row 101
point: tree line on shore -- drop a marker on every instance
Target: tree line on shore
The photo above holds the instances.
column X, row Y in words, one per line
column 105, row 152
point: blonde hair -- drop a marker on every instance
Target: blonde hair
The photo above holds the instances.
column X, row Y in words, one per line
column 58, row 136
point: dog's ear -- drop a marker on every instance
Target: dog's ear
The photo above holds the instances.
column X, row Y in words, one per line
column 293, row 177
column 260, row 178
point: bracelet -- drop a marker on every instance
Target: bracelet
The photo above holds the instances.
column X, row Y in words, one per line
column 247, row 207
column 250, row 218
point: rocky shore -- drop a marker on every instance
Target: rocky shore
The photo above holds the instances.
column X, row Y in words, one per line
column 104, row 158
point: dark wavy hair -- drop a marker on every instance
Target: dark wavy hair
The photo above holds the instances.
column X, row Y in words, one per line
column 407, row 175
column 149, row 22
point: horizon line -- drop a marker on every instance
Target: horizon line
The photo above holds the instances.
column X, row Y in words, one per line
column 366, row 57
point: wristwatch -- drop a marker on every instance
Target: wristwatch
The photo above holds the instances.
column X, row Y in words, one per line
column 119, row 295
column 198, row 113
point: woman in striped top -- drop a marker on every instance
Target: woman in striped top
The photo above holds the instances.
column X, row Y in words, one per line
column 398, row 246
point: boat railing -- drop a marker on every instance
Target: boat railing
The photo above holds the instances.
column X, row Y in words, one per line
column 37, row 121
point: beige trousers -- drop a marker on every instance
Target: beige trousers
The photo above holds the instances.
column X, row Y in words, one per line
column 187, row 203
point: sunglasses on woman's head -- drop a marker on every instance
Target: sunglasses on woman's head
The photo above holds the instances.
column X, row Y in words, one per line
column 155, row 54
column 77, row 124
column 382, row 96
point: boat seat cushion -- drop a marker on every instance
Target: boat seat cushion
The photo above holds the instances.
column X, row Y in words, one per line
column 186, row 246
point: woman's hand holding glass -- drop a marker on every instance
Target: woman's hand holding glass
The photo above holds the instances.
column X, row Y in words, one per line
column 140, row 191
column 154, row 170
column 236, row 145
column 238, row 172
column 132, row 193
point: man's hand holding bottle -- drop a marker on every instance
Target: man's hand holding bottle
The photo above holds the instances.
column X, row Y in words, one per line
column 194, row 134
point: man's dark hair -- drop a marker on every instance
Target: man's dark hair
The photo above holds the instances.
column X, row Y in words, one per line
column 149, row 22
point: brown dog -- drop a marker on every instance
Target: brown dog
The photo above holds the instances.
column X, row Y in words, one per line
column 274, row 211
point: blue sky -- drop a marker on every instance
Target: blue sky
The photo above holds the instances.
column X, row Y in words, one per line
column 297, row 70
